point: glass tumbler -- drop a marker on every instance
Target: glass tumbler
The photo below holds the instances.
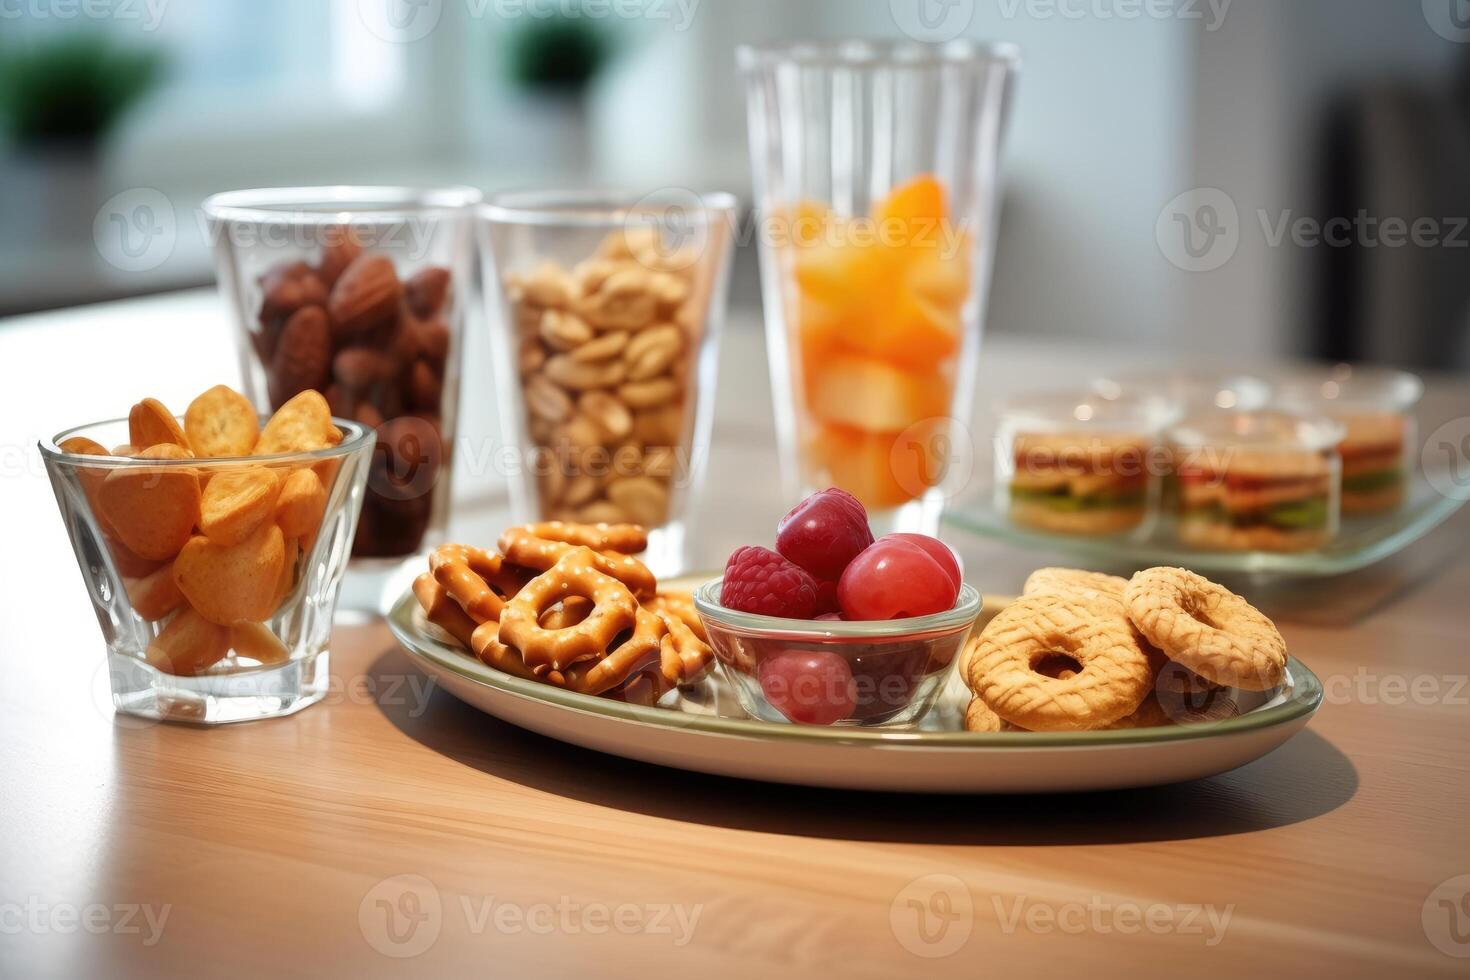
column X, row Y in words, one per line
column 207, row 629
column 876, row 171
column 606, row 312
column 360, row 293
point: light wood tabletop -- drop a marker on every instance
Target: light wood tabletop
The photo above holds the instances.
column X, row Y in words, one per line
column 392, row 830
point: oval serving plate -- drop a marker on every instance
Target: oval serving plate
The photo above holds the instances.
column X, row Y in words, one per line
column 704, row 730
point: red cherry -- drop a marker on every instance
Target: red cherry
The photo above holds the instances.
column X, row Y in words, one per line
column 810, row 687
column 938, row 550
column 895, row 579
column 824, row 532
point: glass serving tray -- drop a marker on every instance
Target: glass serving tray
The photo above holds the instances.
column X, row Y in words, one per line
column 1360, row 542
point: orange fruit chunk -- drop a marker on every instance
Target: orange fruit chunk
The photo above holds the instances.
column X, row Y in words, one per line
column 873, row 395
column 922, row 199
column 858, row 462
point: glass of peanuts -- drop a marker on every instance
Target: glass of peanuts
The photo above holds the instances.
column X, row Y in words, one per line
column 606, row 312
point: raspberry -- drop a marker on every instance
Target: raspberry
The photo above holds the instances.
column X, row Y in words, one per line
column 824, row 532
column 757, row 580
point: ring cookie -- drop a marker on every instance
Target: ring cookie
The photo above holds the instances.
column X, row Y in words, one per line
column 1207, row 628
column 1006, row 669
column 1062, row 580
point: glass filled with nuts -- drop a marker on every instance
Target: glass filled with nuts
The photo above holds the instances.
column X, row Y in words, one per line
column 606, row 313
column 359, row 293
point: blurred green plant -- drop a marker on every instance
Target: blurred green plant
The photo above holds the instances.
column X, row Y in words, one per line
column 560, row 54
column 73, row 88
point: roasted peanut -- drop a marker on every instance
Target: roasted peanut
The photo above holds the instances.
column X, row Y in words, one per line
column 563, row 331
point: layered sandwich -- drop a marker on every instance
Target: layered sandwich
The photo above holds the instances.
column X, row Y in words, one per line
column 1373, row 478
column 1240, row 499
column 1079, row 484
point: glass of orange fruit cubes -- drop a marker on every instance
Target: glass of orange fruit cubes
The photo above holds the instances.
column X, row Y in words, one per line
column 875, row 167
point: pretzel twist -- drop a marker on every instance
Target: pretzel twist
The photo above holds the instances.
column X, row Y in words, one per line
column 441, row 610
column 480, row 581
column 524, row 546
column 684, row 657
column 633, row 657
column 576, row 573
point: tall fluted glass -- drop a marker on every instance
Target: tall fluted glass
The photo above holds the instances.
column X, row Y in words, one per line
column 876, row 170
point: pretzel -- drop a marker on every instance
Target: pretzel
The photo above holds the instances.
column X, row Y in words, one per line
column 681, row 606
column 480, row 581
column 627, row 539
column 684, row 657
column 576, row 573
column 628, row 661
column 441, row 610
column 525, row 546
column 485, row 642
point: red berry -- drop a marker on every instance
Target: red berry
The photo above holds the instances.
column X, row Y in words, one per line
column 757, row 580
column 938, row 550
column 826, row 596
column 895, row 579
column 810, row 687
column 824, row 532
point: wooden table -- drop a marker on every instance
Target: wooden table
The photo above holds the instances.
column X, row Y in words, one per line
column 282, row 847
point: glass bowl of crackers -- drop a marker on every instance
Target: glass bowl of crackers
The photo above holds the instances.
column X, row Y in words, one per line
column 212, row 545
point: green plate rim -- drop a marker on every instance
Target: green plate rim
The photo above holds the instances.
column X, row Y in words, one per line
column 1302, row 698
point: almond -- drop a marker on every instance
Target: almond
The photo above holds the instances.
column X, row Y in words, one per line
column 303, row 355
column 426, row 291
column 365, row 295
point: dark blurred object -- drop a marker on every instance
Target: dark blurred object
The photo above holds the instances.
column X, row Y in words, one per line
column 1399, row 152
column 71, row 90
column 557, row 54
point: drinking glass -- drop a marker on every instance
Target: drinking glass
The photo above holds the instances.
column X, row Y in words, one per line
column 361, row 293
column 167, row 659
column 606, row 311
column 876, row 171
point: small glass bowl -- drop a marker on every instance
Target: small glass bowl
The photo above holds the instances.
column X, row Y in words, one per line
column 1078, row 463
column 1257, row 481
column 835, row 672
column 1376, row 409
column 166, row 661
